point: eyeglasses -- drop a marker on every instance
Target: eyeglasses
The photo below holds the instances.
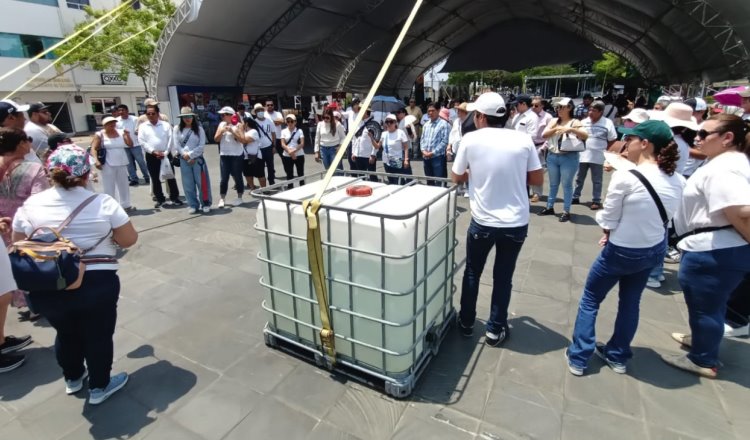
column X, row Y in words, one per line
column 536, row 105
column 703, row 134
column 150, row 113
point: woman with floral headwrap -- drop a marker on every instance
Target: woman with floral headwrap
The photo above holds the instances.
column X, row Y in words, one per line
column 84, row 318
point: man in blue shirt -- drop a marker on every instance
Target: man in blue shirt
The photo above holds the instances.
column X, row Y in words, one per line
column 433, row 143
column 582, row 110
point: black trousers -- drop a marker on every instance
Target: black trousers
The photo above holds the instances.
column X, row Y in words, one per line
column 154, row 167
column 738, row 306
column 267, row 154
column 85, row 321
column 290, row 165
column 231, row 165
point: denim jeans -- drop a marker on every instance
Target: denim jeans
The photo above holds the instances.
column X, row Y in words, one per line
column 597, row 172
column 85, row 321
column 195, row 183
column 135, row 155
column 231, row 165
column 479, row 242
column 435, row 166
column 738, row 306
column 267, row 154
column 562, row 169
column 615, row 264
column 707, row 280
column 327, row 154
column 397, row 180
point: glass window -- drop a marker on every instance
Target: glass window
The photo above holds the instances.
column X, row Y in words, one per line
column 25, row 46
column 77, row 4
column 41, row 2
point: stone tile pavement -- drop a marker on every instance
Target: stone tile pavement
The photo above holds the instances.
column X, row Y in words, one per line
column 189, row 334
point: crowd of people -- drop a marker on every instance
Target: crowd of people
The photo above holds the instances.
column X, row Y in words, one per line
column 687, row 184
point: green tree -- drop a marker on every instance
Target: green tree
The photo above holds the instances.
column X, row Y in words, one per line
column 108, row 50
column 612, row 66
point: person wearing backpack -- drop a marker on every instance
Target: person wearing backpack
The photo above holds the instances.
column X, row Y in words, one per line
column 638, row 207
column 84, row 317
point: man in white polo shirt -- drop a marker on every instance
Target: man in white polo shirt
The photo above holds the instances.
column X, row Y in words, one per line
column 499, row 163
column 155, row 136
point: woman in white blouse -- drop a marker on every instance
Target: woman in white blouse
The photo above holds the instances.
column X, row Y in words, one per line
column 115, row 166
column 188, row 142
column 714, row 224
column 634, row 242
column 254, row 167
column 293, row 144
column 395, row 146
column 329, row 135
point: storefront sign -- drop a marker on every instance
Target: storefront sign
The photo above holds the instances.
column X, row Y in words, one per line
column 112, row 79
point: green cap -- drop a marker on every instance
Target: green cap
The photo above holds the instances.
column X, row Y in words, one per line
column 656, row 132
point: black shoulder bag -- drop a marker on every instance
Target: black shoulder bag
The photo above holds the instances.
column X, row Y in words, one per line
column 672, row 237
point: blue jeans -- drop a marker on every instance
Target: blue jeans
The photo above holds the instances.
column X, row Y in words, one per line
column 85, row 320
column 435, row 167
column 193, row 184
column 562, row 169
column 267, row 154
column 327, row 154
column 479, row 242
column 630, row 267
column 135, row 154
column 708, row 279
column 597, row 172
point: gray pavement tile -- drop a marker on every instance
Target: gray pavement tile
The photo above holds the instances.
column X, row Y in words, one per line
column 413, row 426
column 445, row 415
column 604, row 389
column 553, row 256
column 366, row 414
column 321, row 390
column 165, row 429
column 196, row 268
column 121, row 416
column 56, row 416
column 217, row 409
column 14, row 429
column 151, row 256
column 36, row 381
column 262, row 368
column 583, row 421
column 538, row 285
column 125, row 342
column 553, row 271
column 533, row 358
column 151, row 324
column 659, row 431
column 540, row 308
column 326, row 431
column 522, row 411
column 272, row 420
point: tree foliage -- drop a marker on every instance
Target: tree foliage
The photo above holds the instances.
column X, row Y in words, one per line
column 613, row 66
column 502, row 78
column 132, row 56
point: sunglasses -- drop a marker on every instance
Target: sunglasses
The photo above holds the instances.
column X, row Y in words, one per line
column 390, row 122
column 536, row 105
column 150, row 113
column 703, row 134
column 290, row 121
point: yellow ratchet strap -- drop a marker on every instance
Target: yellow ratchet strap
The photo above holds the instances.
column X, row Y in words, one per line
column 311, row 207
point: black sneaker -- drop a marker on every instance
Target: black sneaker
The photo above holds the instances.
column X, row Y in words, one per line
column 157, row 205
column 466, row 331
column 565, row 217
column 10, row 362
column 547, row 211
column 13, row 343
column 133, row 183
column 576, row 201
column 178, row 202
column 495, row 339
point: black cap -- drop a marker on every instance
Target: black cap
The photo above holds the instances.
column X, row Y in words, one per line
column 692, row 102
column 587, row 96
column 55, row 139
column 356, row 101
column 8, row 108
column 37, row 107
column 526, row 99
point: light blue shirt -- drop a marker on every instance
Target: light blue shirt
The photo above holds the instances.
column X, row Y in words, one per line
column 435, row 136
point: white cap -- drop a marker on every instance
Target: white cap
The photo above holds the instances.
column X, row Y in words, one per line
column 565, row 102
column 700, row 105
column 637, row 115
column 108, row 119
column 19, row 107
column 391, row 116
column 291, row 116
column 226, row 111
column 490, row 104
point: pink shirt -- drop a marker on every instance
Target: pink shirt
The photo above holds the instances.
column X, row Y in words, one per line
column 542, row 122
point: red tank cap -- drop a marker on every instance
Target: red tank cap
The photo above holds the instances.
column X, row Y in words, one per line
column 359, row 191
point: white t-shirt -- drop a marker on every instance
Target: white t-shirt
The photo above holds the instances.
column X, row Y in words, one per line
column 722, row 182
column 600, row 133
column 7, row 283
column 229, row 145
column 631, row 214
column 498, row 160
column 116, row 155
column 684, row 149
column 129, row 125
column 528, row 123
column 292, row 141
column 39, row 138
column 52, row 206
column 393, row 145
column 253, row 148
column 269, row 128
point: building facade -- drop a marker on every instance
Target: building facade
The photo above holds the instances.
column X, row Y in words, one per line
column 27, row 28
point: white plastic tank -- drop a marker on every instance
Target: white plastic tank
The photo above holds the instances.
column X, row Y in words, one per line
column 389, row 261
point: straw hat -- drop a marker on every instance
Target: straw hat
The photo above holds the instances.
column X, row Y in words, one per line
column 186, row 112
column 677, row 114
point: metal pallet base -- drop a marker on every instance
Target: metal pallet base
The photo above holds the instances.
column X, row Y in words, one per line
column 399, row 388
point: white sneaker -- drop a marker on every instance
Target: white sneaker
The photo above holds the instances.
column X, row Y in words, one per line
column 661, row 278
column 653, row 283
column 192, row 211
column 206, row 209
column 237, row 201
column 74, row 386
column 731, row 332
column 221, row 203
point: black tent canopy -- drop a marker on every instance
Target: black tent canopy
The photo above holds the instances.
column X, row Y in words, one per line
column 319, row 46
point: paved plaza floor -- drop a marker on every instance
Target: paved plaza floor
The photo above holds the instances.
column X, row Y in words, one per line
column 189, row 333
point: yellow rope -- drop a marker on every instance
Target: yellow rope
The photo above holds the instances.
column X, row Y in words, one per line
column 66, row 39
column 311, row 207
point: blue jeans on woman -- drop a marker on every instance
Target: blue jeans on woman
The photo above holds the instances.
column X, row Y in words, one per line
column 196, row 194
column 327, row 154
column 85, row 320
column 479, row 242
column 562, row 170
column 707, row 280
column 630, row 267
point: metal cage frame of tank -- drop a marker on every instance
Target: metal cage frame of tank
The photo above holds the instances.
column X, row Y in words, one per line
column 398, row 385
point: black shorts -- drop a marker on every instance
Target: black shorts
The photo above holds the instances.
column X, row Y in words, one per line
column 254, row 168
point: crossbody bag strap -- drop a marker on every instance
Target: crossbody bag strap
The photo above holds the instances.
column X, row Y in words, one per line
column 75, row 213
column 187, row 138
column 654, row 195
column 264, row 133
